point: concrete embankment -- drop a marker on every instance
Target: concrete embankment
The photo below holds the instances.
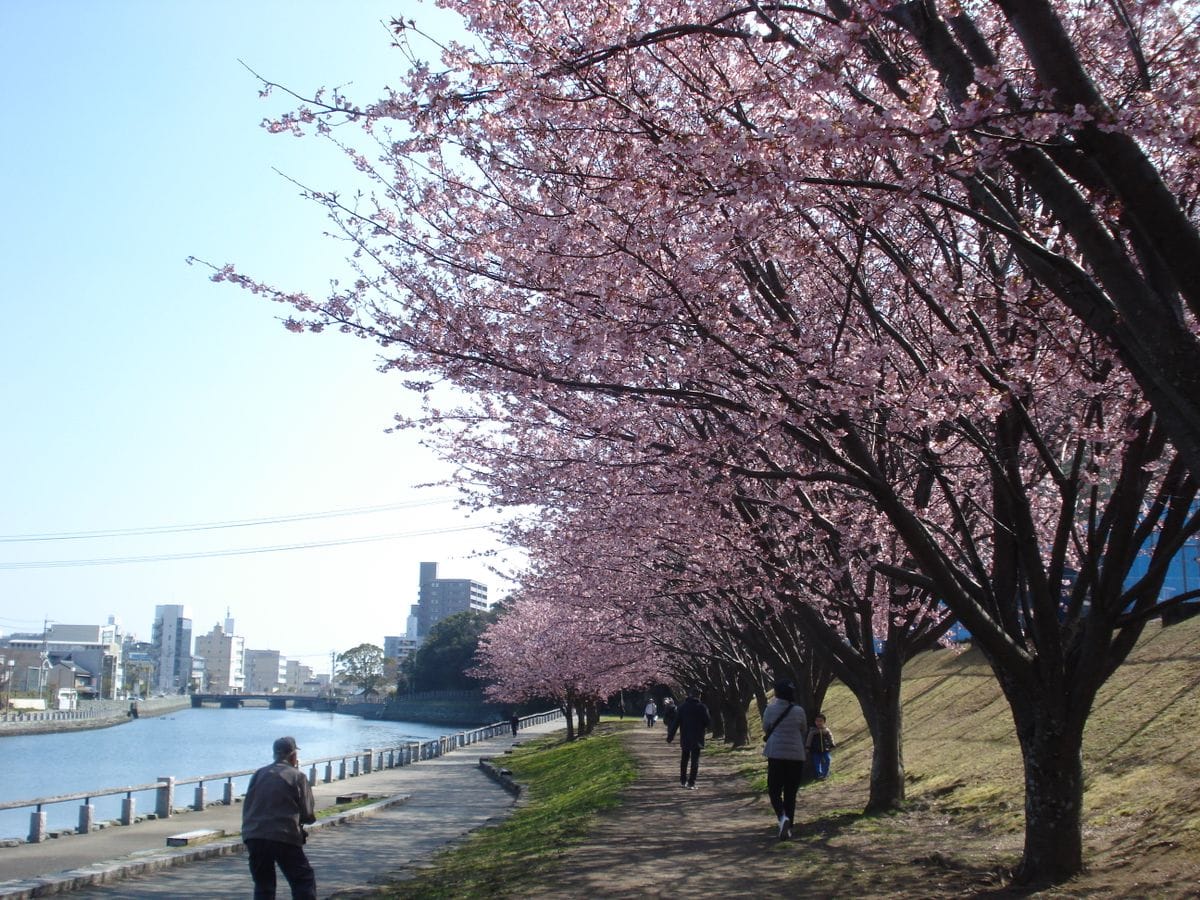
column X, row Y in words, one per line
column 444, row 708
column 100, row 714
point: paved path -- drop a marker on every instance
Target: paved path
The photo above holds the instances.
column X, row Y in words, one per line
column 440, row 801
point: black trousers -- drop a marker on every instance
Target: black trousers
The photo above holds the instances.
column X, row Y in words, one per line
column 265, row 855
column 686, row 758
column 783, row 780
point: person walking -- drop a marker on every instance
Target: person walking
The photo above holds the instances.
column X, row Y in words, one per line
column 650, row 712
column 820, row 742
column 784, row 730
column 277, row 804
column 514, row 722
column 691, row 721
column 669, row 712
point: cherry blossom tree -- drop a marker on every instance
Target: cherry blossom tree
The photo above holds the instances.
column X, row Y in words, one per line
column 933, row 269
column 865, row 625
column 728, row 585
column 564, row 652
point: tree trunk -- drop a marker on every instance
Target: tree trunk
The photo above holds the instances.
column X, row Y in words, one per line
column 884, row 720
column 570, row 720
column 812, row 679
column 717, row 726
column 581, row 712
column 1052, row 752
column 737, row 729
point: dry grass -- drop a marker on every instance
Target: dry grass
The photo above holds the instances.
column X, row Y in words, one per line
column 1141, row 803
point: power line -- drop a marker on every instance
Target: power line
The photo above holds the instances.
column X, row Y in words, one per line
column 213, row 526
column 17, row 622
column 244, row 551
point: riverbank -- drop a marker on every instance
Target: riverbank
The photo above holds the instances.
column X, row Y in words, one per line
column 96, row 714
column 436, row 802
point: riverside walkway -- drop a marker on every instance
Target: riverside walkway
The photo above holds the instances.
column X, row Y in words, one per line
column 423, row 808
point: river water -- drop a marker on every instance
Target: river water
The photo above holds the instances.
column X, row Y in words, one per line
column 185, row 743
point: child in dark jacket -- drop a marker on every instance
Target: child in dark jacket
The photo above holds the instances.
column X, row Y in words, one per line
column 820, row 742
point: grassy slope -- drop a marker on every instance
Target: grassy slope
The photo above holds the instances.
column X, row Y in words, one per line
column 1140, row 748
column 567, row 784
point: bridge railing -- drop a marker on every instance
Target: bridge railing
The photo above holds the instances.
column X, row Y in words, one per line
column 325, row 769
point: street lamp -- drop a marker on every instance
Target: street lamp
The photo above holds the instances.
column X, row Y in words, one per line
column 44, row 669
column 44, row 677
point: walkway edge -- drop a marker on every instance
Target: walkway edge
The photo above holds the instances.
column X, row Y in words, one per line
column 501, row 776
column 147, row 861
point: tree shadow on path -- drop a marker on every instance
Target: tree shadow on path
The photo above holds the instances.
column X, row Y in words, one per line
column 721, row 840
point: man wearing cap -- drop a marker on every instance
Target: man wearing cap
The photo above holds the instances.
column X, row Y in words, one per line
column 278, row 801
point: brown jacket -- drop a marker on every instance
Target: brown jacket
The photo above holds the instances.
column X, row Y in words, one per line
column 278, row 801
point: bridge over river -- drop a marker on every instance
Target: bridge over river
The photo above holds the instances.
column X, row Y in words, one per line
column 274, row 701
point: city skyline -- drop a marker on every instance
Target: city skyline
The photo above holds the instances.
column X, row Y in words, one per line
column 170, row 441
column 199, row 630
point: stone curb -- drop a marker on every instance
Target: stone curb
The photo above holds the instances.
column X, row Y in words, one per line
column 147, row 861
column 503, row 777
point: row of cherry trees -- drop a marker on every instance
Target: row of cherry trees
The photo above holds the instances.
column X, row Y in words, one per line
column 810, row 328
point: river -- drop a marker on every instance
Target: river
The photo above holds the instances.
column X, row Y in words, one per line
column 185, row 743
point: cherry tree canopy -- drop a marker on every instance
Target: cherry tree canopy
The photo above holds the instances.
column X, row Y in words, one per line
column 861, row 265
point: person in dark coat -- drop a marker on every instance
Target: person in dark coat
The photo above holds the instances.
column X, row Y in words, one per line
column 278, row 803
column 691, row 721
column 669, row 712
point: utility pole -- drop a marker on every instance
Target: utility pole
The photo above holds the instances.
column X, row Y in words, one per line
column 43, row 669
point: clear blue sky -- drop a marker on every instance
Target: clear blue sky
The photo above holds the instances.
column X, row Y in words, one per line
column 134, row 392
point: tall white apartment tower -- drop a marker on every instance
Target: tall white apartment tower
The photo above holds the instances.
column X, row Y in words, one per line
column 171, row 637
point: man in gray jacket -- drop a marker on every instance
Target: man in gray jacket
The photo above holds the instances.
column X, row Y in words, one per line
column 277, row 803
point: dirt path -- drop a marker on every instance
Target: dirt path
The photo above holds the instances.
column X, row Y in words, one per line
column 720, row 840
column 661, row 841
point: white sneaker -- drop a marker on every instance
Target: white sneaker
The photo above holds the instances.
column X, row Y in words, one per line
column 785, row 827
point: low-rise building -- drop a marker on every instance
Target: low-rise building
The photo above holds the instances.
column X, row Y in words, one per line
column 92, row 649
column 296, row 676
column 139, row 667
column 266, row 671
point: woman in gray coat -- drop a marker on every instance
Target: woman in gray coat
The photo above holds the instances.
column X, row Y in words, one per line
column 785, row 727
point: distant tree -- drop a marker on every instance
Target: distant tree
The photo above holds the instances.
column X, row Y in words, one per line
column 449, row 650
column 362, row 666
column 396, row 675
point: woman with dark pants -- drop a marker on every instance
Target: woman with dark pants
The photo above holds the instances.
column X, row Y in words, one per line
column 785, row 727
